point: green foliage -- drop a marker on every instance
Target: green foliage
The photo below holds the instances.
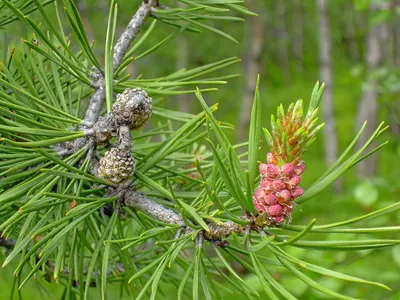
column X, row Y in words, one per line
column 55, row 208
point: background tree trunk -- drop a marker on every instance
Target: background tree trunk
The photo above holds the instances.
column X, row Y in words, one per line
column 299, row 35
column 396, row 37
column 368, row 105
column 282, row 40
column 252, row 69
column 350, row 32
column 330, row 139
column 394, row 107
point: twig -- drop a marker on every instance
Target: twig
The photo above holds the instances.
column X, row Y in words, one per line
column 136, row 200
column 131, row 31
column 139, row 201
column 96, row 101
column 98, row 82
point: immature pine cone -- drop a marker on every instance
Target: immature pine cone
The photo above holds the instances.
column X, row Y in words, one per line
column 116, row 166
column 133, row 107
column 280, row 176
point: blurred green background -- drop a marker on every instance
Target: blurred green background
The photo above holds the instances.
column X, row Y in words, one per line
column 284, row 44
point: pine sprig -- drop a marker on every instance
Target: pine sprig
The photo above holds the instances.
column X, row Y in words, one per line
column 292, row 132
column 186, row 209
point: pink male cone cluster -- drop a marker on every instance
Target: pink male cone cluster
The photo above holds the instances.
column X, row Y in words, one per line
column 291, row 135
column 279, row 186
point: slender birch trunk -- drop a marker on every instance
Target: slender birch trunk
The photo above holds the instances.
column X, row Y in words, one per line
column 299, row 35
column 252, row 69
column 283, row 42
column 394, row 106
column 368, row 105
column 350, row 32
column 330, row 137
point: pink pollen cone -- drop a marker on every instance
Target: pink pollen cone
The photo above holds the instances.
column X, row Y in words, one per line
column 287, row 170
column 270, row 199
column 263, row 169
column 260, row 193
column 285, row 194
column 272, row 171
column 275, row 210
column 278, row 185
column 260, row 208
column 265, row 183
column 299, row 168
column 297, row 192
column 287, row 210
column 278, row 219
column 294, row 180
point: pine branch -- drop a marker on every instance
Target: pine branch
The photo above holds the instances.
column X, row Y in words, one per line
column 139, row 201
column 131, row 31
column 96, row 101
column 98, row 80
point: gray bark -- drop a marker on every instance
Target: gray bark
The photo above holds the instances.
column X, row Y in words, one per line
column 122, row 45
column 397, row 37
column 330, row 138
column 283, row 42
column 129, row 34
column 252, row 68
column 368, row 105
column 385, row 37
column 394, row 114
column 299, row 35
column 394, row 106
column 351, row 39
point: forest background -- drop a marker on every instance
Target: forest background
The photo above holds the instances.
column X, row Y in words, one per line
column 353, row 46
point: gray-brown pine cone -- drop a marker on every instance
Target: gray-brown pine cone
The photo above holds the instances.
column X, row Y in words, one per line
column 132, row 108
column 116, row 166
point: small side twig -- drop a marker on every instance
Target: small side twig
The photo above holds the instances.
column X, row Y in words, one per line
column 136, row 200
column 96, row 100
column 131, row 31
column 98, row 82
column 139, row 201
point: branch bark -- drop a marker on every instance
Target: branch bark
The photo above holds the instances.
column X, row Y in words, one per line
column 139, row 201
column 97, row 100
column 131, row 31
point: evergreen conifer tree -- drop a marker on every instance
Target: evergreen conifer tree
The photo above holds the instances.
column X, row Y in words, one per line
column 93, row 196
